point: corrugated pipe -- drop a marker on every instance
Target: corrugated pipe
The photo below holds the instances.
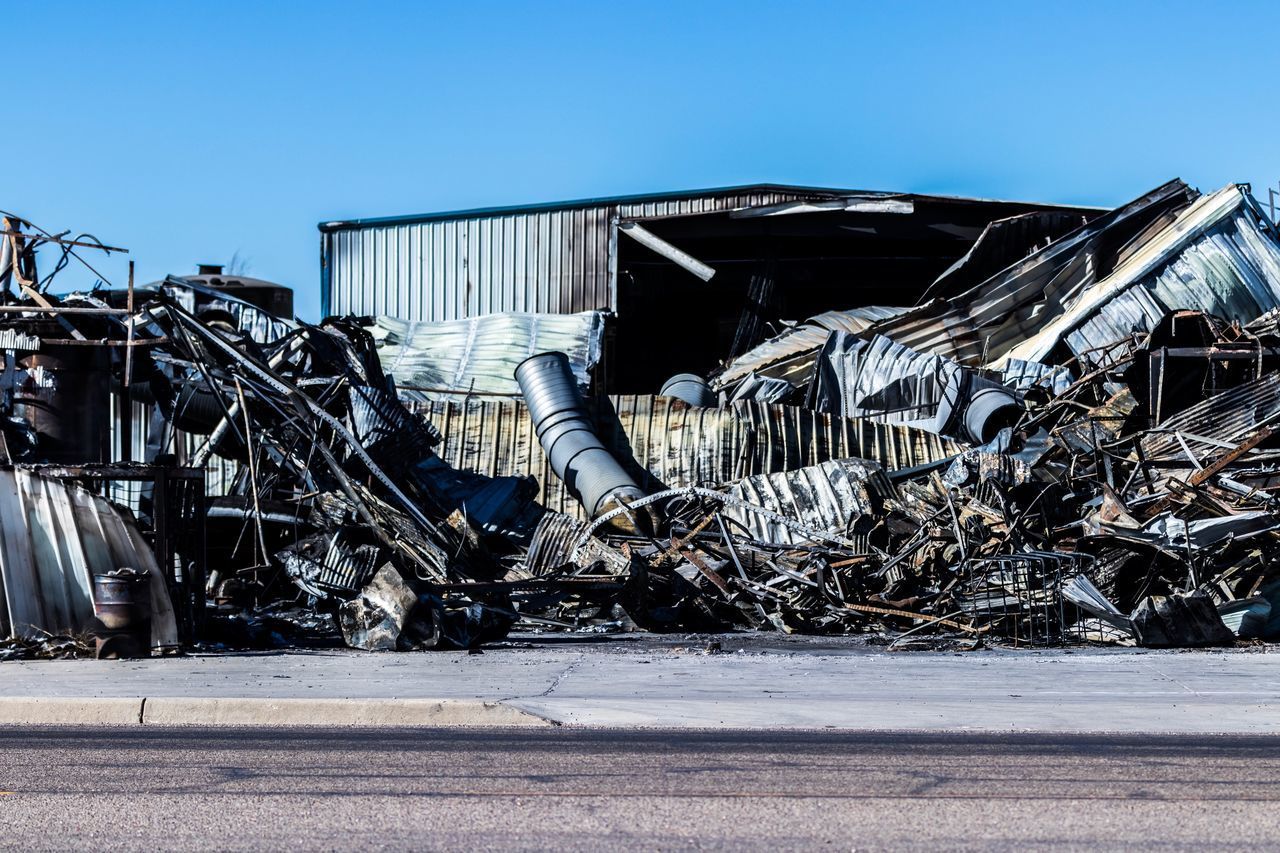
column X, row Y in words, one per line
column 691, row 388
column 568, row 437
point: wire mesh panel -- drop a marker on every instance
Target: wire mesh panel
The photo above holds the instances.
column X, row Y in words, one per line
column 1018, row 597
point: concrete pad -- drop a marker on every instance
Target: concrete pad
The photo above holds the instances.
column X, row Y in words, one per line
column 1045, row 691
column 335, row 674
column 227, row 711
column 1036, row 692
column 50, row 711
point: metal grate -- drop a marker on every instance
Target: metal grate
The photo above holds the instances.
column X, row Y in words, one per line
column 1019, row 597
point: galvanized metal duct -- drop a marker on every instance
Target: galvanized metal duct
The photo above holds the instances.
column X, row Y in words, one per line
column 568, row 437
column 691, row 388
column 882, row 379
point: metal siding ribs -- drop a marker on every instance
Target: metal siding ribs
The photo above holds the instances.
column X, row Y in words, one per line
column 676, row 444
column 54, row 537
column 544, row 261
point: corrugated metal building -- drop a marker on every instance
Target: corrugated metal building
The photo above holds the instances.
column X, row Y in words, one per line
column 553, row 258
column 775, row 252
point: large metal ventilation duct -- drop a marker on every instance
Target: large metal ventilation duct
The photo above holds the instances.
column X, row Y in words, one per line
column 691, row 388
column 990, row 410
column 568, row 437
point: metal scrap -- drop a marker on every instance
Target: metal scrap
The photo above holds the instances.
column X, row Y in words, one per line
column 1076, row 438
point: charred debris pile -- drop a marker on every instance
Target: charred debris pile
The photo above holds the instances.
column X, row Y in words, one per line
column 1071, row 439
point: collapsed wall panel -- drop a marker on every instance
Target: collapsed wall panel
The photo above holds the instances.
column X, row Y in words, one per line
column 54, row 537
column 676, row 444
column 479, row 355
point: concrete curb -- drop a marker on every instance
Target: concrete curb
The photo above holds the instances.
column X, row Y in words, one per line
column 228, row 711
column 50, row 711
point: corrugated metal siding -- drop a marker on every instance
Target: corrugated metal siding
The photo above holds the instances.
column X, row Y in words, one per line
column 554, row 262
column 220, row 473
column 1230, row 271
column 1224, row 418
column 54, row 536
column 831, row 497
column 677, row 444
column 985, row 322
column 806, row 337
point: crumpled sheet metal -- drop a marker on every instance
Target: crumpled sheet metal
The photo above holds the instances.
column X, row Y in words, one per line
column 262, row 326
column 884, row 380
column 987, row 320
column 830, row 497
column 1175, row 533
column 807, row 337
column 479, row 355
column 975, row 466
column 54, row 537
column 1023, row 376
column 762, row 389
column 1219, row 256
column 677, row 444
column 1001, row 243
column 1216, row 424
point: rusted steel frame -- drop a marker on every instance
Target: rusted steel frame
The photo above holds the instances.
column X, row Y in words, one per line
column 678, row 542
column 852, row 561
column 39, row 298
column 907, row 614
column 1250, row 442
column 708, row 572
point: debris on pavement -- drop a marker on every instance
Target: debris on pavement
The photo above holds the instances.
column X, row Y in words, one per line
column 1073, row 437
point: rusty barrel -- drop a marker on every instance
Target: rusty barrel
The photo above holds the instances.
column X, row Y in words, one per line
column 122, row 602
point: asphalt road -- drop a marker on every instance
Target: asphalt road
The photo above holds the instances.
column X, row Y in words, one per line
column 147, row 789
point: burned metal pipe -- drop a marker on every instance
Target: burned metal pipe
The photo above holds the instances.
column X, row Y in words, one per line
column 989, row 410
column 568, row 437
column 691, row 388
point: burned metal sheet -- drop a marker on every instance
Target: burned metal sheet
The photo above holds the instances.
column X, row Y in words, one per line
column 1003, row 242
column 881, row 379
column 1216, row 424
column 479, row 355
column 791, row 354
column 1023, row 376
column 833, row 497
column 262, row 326
column 1220, row 255
column 676, row 444
column 985, row 322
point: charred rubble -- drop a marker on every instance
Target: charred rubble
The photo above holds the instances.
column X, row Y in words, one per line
column 1072, row 441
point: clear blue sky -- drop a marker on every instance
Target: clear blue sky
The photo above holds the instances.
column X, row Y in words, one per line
column 190, row 131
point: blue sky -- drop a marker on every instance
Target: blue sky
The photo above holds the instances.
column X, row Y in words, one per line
column 194, row 131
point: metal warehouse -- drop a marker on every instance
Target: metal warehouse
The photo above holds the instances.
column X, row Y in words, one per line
column 687, row 277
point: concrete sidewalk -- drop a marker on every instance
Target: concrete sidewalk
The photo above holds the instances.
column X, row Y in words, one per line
column 1053, row 692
